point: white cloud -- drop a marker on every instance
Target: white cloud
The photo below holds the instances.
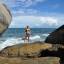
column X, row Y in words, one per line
column 49, row 20
column 1, row 1
column 23, row 3
column 27, row 3
column 21, row 21
column 33, row 21
column 25, row 12
column 19, row 7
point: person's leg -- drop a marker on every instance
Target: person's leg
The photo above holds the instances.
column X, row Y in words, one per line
column 28, row 38
column 25, row 38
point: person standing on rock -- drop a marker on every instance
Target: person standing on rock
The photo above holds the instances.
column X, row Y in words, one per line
column 27, row 33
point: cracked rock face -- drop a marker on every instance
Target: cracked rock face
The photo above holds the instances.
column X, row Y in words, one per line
column 5, row 18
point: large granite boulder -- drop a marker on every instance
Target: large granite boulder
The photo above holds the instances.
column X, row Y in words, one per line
column 5, row 18
column 56, row 37
column 25, row 50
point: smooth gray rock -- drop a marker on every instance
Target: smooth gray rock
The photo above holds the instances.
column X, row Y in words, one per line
column 5, row 18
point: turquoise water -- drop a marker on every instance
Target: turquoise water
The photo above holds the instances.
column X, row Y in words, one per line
column 19, row 32
column 37, row 34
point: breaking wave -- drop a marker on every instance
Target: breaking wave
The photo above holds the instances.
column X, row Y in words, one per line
column 13, row 41
column 45, row 35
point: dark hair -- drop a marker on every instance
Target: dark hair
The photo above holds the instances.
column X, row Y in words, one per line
column 27, row 26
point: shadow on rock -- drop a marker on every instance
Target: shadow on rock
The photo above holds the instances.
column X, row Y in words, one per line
column 59, row 53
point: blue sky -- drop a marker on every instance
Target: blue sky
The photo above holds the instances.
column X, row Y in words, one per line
column 36, row 13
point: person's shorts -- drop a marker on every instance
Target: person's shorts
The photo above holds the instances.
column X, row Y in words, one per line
column 27, row 34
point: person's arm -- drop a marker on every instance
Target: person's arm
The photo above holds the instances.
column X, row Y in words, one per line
column 24, row 29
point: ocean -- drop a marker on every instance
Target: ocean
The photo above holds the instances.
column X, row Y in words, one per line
column 14, row 36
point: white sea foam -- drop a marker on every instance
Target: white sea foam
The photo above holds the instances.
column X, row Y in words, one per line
column 10, row 42
column 45, row 35
column 35, row 37
column 14, row 41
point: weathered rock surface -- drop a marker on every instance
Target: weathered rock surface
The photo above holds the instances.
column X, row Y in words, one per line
column 43, row 52
column 41, row 60
column 56, row 37
column 5, row 18
column 26, row 50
